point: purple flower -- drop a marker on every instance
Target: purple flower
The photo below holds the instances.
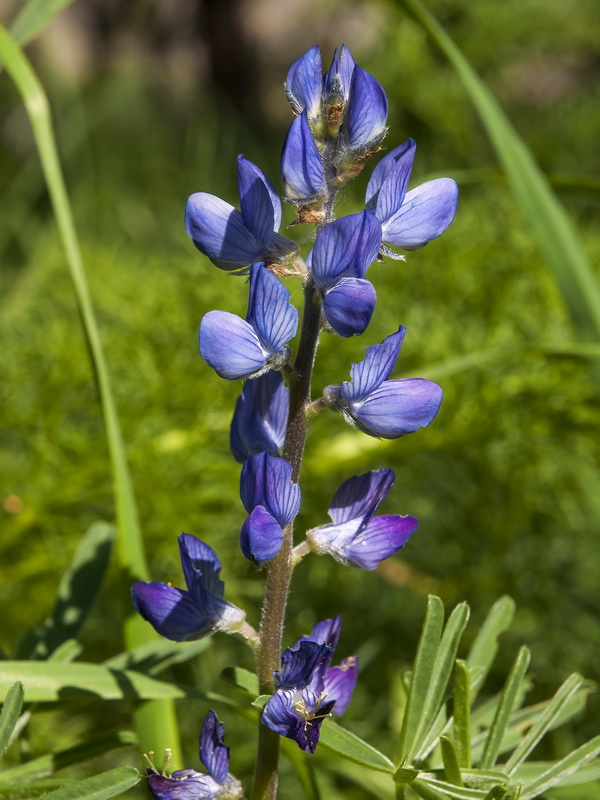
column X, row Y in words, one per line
column 307, row 89
column 308, row 689
column 342, row 253
column 365, row 123
column 187, row 784
column 301, row 165
column 234, row 239
column 357, row 538
column 381, row 407
column 260, row 417
column 237, row 348
column 183, row 615
column 409, row 219
column 271, row 500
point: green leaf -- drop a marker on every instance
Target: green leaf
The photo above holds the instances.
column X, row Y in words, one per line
column 49, row 682
column 544, row 722
column 531, row 770
column 303, row 768
column 426, row 791
column 33, row 18
column 69, row 650
column 450, row 759
column 78, row 589
column 406, row 774
column 546, row 216
column 349, row 746
column 422, row 674
column 506, row 705
column 484, row 648
column 242, row 678
column 155, row 723
column 451, row 791
column 100, row 787
column 261, row 701
column 45, row 766
column 11, row 709
column 562, row 769
column 462, row 713
column 158, row 655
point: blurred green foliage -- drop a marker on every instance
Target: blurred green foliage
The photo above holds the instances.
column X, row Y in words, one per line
column 505, row 482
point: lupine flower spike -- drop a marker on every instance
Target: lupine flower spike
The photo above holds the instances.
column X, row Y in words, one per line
column 188, row 784
column 183, row 615
column 381, row 407
column 356, row 537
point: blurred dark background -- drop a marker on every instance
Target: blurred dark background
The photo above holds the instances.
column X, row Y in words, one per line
column 153, row 101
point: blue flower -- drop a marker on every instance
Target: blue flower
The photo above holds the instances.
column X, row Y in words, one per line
column 381, row 407
column 342, row 253
column 357, row 538
column 271, row 500
column 183, row 615
column 307, row 689
column 260, row 417
column 188, row 784
column 234, row 239
column 237, row 348
column 365, row 123
column 301, row 166
column 409, row 219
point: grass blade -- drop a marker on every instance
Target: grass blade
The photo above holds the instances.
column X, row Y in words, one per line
column 33, row 18
column 156, row 725
column 546, row 216
column 562, row 769
column 10, row 714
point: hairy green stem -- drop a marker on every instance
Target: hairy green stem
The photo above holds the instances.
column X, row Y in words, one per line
column 280, row 568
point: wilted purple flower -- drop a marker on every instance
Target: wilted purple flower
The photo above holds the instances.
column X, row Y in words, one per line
column 183, row 615
column 342, row 253
column 381, row 407
column 308, row 689
column 409, row 219
column 271, row 500
column 234, row 239
column 260, row 417
column 357, row 538
column 188, row 784
column 237, row 348
column 301, row 166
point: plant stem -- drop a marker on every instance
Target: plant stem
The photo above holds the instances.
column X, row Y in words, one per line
column 280, row 568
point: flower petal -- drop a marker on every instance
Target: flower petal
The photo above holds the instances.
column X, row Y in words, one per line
column 425, row 214
column 340, row 683
column 213, row 752
column 172, row 612
column 389, row 181
column 348, row 306
column 367, row 111
column 299, row 663
column 191, row 786
column 261, row 536
column 301, row 166
column 383, row 537
column 201, row 566
column 270, row 312
column 303, row 85
column 345, row 248
column 375, row 368
column 398, row 407
column 231, row 346
column 337, row 80
column 260, row 417
column 267, row 481
column 298, row 715
column 258, row 201
column 218, row 230
column 360, row 496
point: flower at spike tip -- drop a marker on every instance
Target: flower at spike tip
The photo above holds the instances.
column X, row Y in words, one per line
column 342, row 253
column 356, row 537
column 272, row 502
column 381, row 407
column 192, row 613
column 411, row 219
column 260, row 417
column 308, row 690
column 188, row 784
column 237, row 348
column 233, row 239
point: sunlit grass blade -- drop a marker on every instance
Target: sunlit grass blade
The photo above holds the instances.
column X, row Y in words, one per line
column 45, row 766
column 563, row 768
column 543, row 212
column 100, row 787
column 79, row 587
column 157, row 729
column 506, row 705
column 11, row 710
column 33, row 18
column 543, row 722
column 422, row 673
column 484, row 648
column 462, row 714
